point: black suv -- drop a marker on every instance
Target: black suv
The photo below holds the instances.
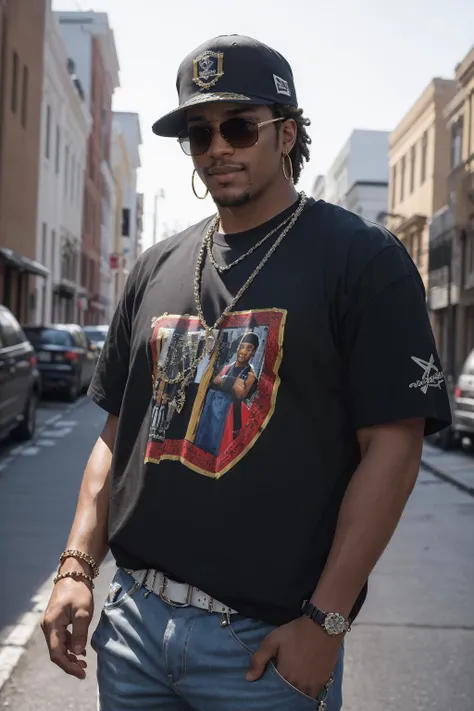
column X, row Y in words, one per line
column 66, row 357
column 20, row 383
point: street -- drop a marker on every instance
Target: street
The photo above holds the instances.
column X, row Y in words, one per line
column 412, row 648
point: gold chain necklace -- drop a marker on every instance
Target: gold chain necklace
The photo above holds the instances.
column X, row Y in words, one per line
column 185, row 376
column 219, row 267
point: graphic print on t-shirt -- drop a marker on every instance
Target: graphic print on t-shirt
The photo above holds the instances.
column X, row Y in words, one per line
column 231, row 397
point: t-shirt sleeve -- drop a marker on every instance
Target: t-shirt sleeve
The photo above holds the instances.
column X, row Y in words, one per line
column 389, row 348
column 111, row 374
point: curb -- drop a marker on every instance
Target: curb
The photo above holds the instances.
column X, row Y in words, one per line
column 447, row 478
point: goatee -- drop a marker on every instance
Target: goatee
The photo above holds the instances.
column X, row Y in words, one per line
column 233, row 200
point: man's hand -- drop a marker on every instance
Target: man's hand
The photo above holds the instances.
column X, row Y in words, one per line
column 303, row 654
column 71, row 603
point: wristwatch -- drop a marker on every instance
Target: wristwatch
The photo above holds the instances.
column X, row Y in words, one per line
column 332, row 622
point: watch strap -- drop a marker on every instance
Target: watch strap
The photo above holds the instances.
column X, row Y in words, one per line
column 318, row 616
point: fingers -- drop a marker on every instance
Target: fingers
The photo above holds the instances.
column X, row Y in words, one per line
column 268, row 650
column 80, row 627
column 56, row 635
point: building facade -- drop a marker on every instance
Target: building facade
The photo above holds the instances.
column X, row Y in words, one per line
column 22, row 26
column 90, row 43
column 319, row 188
column 454, row 276
column 140, row 215
column 358, row 177
column 129, row 124
column 419, row 150
column 65, row 127
column 122, row 172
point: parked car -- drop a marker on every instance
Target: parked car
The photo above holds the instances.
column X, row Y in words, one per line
column 463, row 411
column 66, row 357
column 20, row 382
column 97, row 335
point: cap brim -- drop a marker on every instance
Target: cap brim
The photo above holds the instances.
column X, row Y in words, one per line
column 171, row 125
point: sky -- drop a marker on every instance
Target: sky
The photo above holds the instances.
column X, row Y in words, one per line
column 356, row 63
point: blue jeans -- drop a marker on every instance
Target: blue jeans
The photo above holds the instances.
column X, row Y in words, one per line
column 152, row 656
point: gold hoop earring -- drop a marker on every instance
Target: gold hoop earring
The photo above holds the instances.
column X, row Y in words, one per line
column 199, row 197
column 283, row 167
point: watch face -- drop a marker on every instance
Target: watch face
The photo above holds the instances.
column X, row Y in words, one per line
column 334, row 623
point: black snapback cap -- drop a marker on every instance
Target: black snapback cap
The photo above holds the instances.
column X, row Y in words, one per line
column 231, row 68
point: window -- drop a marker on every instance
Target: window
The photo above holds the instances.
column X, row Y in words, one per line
column 456, row 143
column 424, row 153
column 53, row 251
column 79, row 183
column 126, row 222
column 412, row 168
column 394, row 187
column 44, row 238
column 14, row 98
column 58, row 148
column 66, row 168
column 91, row 274
column 24, row 97
column 12, row 335
column 48, row 131
column 402, row 178
column 49, row 336
column 73, row 174
column 84, row 271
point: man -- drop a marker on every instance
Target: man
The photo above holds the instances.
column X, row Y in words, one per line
column 234, row 383
column 241, row 570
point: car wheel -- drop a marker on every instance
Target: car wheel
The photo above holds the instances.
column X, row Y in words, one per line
column 27, row 427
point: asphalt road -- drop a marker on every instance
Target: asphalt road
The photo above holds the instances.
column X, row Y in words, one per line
column 412, row 648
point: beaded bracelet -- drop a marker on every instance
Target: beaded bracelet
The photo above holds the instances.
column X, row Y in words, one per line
column 73, row 574
column 72, row 553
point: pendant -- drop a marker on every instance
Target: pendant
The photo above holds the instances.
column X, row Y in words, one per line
column 210, row 342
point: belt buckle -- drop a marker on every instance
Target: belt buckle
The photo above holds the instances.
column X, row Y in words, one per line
column 161, row 593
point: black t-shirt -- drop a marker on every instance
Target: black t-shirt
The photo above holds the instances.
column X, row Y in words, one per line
column 237, row 490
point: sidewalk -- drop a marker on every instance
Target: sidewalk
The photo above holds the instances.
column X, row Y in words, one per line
column 456, row 467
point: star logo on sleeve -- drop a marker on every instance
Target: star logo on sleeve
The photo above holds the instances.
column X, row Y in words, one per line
column 432, row 376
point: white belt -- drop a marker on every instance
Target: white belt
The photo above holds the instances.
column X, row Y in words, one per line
column 178, row 594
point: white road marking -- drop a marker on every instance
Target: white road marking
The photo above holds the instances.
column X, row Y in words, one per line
column 16, row 637
column 57, row 432
column 9, row 658
column 29, row 451
column 52, row 420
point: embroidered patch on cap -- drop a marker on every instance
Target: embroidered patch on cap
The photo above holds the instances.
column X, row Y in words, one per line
column 208, row 69
column 281, row 86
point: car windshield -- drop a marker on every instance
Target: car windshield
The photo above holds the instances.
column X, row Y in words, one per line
column 469, row 365
column 96, row 335
column 49, row 337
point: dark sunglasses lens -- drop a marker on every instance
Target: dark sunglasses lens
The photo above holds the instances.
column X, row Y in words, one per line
column 239, row 132
column 196, row 140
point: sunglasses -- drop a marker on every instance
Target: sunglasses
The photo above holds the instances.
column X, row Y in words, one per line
column 237, row 131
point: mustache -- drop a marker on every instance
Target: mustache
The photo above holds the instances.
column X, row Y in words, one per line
column 224, row 168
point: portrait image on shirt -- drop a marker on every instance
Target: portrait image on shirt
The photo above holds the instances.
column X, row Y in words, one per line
column 229, row 398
